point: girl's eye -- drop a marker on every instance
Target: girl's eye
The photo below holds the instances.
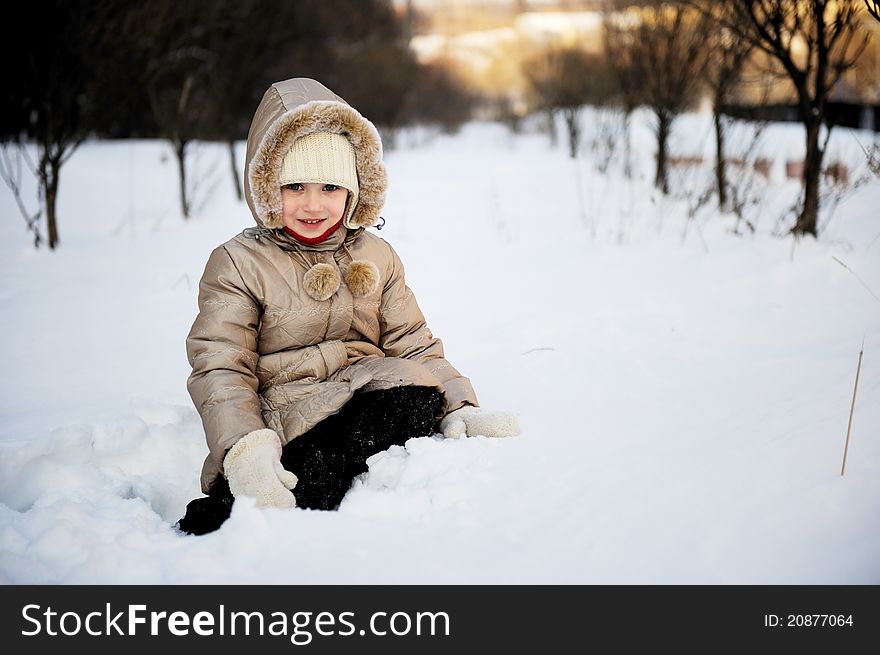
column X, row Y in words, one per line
column 330, row 187
column 296, row 186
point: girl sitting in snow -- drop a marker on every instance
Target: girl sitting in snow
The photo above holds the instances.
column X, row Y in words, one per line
column 309, row 352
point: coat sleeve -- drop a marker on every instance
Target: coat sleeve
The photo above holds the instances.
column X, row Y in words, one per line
column 404, row 333
column 222, row 350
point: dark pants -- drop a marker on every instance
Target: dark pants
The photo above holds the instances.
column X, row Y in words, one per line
column 327, row 458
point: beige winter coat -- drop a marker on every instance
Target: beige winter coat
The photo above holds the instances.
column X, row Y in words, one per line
column 286, row 333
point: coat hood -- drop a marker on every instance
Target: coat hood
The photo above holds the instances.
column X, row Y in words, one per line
column 294, row 108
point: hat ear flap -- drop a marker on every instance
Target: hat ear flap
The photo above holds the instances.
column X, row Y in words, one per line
column 350, row 206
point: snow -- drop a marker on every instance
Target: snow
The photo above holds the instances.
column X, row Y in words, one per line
column 684, row 391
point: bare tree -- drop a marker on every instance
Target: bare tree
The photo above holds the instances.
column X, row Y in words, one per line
column 662, row 55
column 51, row 96
column 237, row 76
column 566, row 79
column 439, row 99
column 175, row 40
column 12, row 157
column 620, row 51
column 537, row 70
column 385, row 91
column 729, row 53
column 816, row 42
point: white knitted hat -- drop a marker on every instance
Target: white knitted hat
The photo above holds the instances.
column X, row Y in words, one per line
column 323, row 157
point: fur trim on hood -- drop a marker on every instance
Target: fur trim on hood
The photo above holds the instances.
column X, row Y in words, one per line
column 292, row 109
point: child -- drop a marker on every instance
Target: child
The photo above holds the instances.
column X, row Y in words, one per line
column 309, row 352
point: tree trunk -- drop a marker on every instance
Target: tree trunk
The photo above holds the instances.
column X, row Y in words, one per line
column 180, row 152
column 627, row 146
column 661, row 180
column 571, row 122
column 720, row 168
column 551, row 125
column 235, row 179
column 50, row 168
column 808, row 219
column 389, row 137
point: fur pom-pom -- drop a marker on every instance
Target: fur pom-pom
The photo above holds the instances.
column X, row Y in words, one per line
column 362, row 278
column 321, row 281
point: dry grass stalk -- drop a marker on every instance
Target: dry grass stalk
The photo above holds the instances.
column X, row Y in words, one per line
column 852, row 408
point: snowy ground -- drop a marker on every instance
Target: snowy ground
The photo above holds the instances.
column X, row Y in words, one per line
column 684, row 392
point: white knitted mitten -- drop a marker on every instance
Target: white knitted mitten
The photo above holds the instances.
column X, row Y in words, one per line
column 253, row 468
column 472, row 421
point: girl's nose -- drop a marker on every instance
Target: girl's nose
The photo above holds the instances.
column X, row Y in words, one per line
column 312, row 199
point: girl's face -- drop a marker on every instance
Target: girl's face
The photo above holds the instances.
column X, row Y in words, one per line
column 312, row 208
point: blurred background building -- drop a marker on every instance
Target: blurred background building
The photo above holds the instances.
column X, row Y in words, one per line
column 486, row 42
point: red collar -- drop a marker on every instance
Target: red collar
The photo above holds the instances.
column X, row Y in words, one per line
column 313, row 241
